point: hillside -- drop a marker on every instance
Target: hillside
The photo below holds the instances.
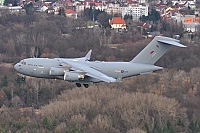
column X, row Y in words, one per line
column 165, row 101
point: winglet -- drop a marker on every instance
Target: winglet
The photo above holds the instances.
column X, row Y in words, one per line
column 87, row 56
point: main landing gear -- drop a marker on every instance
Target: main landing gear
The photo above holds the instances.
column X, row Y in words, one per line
column 86, row 85
column 79, row 85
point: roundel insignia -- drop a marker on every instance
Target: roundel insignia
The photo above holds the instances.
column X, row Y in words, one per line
column 122, row 71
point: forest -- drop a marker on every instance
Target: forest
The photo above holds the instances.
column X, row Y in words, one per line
column 166, row 101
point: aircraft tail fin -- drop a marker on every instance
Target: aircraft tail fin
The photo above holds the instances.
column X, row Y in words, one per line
column 155, row 50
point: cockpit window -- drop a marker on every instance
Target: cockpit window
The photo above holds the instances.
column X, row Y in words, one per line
column 23, row 62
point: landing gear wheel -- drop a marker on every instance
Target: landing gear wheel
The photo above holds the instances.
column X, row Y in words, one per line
column 78, row 84
column 23, row 78
column 86, row 85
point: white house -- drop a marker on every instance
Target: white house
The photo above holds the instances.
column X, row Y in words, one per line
column 136, row 12
column 113, row 8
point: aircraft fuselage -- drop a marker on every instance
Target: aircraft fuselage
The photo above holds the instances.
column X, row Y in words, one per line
column 41, row 67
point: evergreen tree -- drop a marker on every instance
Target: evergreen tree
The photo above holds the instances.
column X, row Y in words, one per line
column 152, row 16
column 180, row 123
column 146, row 127
column 170, row 127
column 29, row 8
column 128, row 17
column 61, row 12
column 157, row 128
column 4, row 82
column 47, row 124
column 19, row 81
column 73, row 129
column 143, row 18
column 192, row 126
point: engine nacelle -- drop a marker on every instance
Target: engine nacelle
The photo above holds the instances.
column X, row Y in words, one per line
column 73, row 76
column 56, row 71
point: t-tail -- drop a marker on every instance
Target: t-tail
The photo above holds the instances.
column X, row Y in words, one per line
column 155, row 50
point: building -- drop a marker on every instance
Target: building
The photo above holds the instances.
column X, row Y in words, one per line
column 68, row 12
column 100, row 6
column 71, row 13
column 186, row 3
column 136, row 12
column 117, row 23
column 80, row 8
column 190, row 22
column 142, row 1
column 113, row 8
column 1, row 2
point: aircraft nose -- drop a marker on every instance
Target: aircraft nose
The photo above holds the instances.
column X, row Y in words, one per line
column 15, row 66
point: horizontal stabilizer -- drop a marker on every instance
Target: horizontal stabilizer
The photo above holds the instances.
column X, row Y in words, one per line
column 174, row 43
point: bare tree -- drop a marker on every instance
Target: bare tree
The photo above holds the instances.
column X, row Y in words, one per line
column 131, row 109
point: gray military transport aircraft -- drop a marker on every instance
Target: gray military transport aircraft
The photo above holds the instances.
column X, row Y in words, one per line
column 82, row 71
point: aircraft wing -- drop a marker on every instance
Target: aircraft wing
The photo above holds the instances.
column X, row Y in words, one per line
column 91, row 72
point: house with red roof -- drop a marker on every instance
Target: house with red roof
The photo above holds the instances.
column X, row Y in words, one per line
column 143, row 25
column 71, row 13
column 117, row 23
column 68, row 12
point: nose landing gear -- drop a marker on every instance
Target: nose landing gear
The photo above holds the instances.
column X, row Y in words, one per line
column 23, row 78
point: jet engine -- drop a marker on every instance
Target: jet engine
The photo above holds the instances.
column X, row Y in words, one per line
column 73, row 76
column 56, row 71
